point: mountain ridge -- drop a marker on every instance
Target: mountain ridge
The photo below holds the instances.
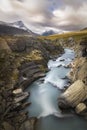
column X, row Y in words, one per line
column 49, row 32
column 14, row 28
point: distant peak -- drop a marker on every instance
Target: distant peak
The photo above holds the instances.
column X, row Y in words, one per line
column 49, row 32
column 18, row 23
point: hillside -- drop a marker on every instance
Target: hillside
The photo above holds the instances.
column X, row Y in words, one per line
column 84, row 29
column 76, row 35
column 15, row 28
column 8, row 30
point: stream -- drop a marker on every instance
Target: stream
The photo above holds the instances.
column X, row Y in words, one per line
column 44, row 97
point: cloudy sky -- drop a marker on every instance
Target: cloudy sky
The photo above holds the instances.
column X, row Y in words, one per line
column 41, row 15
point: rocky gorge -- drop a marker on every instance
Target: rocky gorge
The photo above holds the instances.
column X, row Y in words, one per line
column 23, row 59
column 76, row 95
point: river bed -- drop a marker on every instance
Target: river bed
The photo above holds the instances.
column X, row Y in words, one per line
column 44, row 97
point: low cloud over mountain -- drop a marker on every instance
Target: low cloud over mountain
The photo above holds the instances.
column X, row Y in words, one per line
column 40, row 15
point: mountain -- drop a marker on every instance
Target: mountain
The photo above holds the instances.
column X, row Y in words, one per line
column 20, row 25
column 49, row 32
column 15, row 28
column 84, row 29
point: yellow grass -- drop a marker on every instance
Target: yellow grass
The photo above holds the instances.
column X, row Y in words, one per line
column 35, row 55
column 76, row 35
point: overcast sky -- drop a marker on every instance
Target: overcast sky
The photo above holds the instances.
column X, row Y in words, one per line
column 41, row 15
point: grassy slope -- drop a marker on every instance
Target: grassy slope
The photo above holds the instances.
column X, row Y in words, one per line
column 76, row 35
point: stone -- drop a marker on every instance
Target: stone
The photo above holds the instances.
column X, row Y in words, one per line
column 75, row 94
column 80, row 108
column 17, row 91
column 71, row 40
column 21, row 97
column 29, row 124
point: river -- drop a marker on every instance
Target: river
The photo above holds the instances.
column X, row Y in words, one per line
column 44, row 97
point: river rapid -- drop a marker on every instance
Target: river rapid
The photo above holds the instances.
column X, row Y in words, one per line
column 45, row 93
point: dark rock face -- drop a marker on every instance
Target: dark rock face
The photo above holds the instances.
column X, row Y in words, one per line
column 76, row 95
column 27, row 44
column 12, row 115
column 8, row 30
column 84, row 52
column 29, row 72
column 22, row 60
column 6, row 66
column 83, row 44
column 34, row 54
column 19, row 47
column 15, row 28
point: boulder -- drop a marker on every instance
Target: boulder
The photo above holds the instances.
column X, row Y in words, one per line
column 75, row 94
column 80, row 108
column 17, row 91
column 78, row 71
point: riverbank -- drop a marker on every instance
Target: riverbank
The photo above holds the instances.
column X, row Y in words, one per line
column 45, row 93
column 76, row 95
column 22, row 61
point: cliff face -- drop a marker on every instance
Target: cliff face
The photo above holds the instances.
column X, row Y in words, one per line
column 79, row 65
column 22, row 60
column 79, row 70
column 76, row 95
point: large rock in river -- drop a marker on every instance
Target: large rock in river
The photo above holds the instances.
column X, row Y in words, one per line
column 74, row 95
column 81, row 108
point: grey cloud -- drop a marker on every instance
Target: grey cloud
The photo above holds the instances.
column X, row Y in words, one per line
column 39, row 14
column 74, row 2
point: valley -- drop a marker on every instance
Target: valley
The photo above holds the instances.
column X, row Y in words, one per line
column 25, row 60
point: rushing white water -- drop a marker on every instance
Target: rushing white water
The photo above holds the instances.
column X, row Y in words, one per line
column 58, row 71
column 64, row 60
column 56, row 78
column 44, row 102
column 44, row 94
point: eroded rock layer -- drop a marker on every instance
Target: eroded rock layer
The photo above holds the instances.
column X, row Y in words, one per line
column 76, row 95
column 23, row 59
